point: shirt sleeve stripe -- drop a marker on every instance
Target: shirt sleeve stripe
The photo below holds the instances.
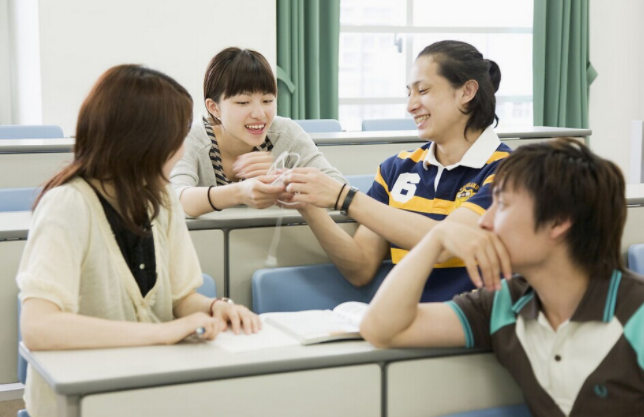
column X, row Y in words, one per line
column 476, row 209
column 469, row 338
column 381, row 181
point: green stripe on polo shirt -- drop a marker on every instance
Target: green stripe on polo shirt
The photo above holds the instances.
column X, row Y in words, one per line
column 502, row 314
column 469, row 337
column 609, row 308
column 634, row 333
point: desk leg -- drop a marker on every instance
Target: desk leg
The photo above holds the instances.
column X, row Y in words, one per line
column 68, row 406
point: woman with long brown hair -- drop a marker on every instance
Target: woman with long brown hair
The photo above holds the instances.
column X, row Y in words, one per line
column 109, row 261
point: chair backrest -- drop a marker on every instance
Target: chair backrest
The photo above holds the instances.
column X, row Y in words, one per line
column 636, row 258
column 311, row 287
column 520, row 410
column 361, row 182
column 320, row 125
column 18, row 199
column 388, row 124
column 30, row 132
column 208, row 288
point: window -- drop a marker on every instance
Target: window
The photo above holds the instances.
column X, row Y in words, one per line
column 379, row 40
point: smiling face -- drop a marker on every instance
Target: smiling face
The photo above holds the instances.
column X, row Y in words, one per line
column 434, row 103
column 245, row 117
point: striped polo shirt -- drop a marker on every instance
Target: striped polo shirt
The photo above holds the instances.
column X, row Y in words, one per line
column 415, row 181
column 592, row 365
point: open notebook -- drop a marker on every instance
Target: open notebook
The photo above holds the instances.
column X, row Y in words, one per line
column 299, row 328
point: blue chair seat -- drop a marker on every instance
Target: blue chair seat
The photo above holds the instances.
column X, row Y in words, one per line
column 311, row 287
column 520, row 410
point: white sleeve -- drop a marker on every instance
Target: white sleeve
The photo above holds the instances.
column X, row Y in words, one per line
column 51, row 264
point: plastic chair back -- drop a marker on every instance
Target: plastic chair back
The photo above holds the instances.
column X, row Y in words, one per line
column 30, row 132
column 18, row 199
column 209, row 287
column 361, row 182
column 388, row 124
column 636, row 258
column 320, row 125
column 311, row 287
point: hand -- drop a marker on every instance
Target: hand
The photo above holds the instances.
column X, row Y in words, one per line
column 252, row 164
column 312, row 186
column 478, row 248
column 259, row 193
column 176, row 330
column 238, row 316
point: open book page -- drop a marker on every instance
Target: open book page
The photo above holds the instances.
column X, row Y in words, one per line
column 315, row 326
column 352, row 312
column 267, row 338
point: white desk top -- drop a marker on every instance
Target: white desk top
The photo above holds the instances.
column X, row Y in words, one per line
column 328, row 138
column 15, row 224
column 80, row 372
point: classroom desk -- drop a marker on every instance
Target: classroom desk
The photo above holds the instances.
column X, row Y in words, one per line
column 341, row 379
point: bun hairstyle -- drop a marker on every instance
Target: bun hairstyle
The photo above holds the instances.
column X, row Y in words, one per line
column 459, row 62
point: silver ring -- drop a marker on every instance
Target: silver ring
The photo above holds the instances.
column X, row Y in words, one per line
column 200, row 331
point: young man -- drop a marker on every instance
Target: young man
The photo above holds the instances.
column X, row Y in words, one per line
column 570, row 326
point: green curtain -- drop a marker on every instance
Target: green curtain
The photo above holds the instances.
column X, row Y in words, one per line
column 562, row 71
column 308, row 39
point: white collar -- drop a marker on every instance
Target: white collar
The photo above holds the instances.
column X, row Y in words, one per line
column 476, row 156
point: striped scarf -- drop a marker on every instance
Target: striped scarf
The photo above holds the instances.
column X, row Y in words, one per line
column 215, row 154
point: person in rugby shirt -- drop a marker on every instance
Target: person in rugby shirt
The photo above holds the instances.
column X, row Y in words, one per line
column 451, row 97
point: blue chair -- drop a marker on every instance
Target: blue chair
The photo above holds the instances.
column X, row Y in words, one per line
column 319, row 125
column 636, row 258
column 388, row 124
column 30, row 132
column 18, row 199
column 520, row 410
column 208, row 288
column 361, row 182
column 311, row 287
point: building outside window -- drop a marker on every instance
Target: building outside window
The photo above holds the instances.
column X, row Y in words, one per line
column 379, row 40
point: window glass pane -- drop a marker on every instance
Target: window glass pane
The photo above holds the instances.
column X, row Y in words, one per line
column 511, row 51
column 370, row 66
column 514, row 114
column 351, row 115
column 473, row 13
column 373, row 12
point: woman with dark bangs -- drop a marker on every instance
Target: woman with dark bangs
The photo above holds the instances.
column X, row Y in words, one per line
column 229, row 152
column 109, row 261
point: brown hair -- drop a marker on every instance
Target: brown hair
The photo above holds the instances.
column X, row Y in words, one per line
column 130, row 124
column 569, row 182
column 236, row 71
column 459, row 62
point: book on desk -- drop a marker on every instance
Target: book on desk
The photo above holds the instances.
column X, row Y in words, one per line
column 299, row 328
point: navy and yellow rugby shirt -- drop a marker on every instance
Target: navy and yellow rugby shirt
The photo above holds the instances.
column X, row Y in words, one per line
column 406, row 181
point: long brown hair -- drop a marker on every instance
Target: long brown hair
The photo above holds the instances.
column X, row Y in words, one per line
column 130, row 124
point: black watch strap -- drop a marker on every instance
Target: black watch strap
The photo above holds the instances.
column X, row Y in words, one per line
column 347, row 201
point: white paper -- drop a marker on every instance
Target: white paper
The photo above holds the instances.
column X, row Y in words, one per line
column 267, row 338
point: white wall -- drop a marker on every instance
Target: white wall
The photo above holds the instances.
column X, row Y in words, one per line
column 617, row 95
column 5, row 72
column 80, row 39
